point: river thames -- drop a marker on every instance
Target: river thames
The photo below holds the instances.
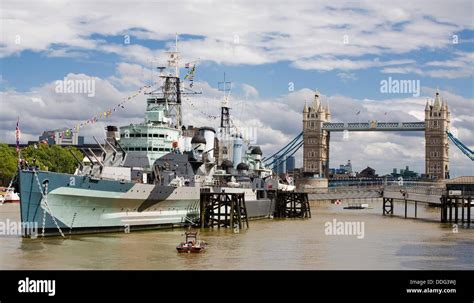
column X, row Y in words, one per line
column 380, row 242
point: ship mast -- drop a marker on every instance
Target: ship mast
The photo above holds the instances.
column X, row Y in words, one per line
column 225, row 107
column 168, row 96
column 224, row 152
column 177, row 58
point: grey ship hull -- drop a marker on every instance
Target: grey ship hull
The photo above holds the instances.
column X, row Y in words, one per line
column 80, row 204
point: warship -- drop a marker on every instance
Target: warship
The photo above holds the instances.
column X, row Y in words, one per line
column 149, row 175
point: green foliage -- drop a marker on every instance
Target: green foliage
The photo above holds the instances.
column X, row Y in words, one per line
column 8, row 163
column 52, row 157
column 48, row 157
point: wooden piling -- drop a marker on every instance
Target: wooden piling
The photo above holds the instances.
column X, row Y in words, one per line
column 450, row 211
column 406, row 207
column 469, row 211
column 292, row 205
column 387, row 206
column 456, row 210
column 223, row 210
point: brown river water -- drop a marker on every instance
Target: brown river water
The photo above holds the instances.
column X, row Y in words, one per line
column 385, row 243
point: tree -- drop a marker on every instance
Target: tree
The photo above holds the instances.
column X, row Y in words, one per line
column 47, row 157
column 8, row 163
column 52, row 157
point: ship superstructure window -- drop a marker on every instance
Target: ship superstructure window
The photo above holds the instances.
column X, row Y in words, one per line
column 161, row 149
column 161, row 135
column 155, row 149
column 143, row 148
column 155, row 135
column 132, row 135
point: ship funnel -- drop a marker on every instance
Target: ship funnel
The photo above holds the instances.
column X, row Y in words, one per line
column 256, row 155
column 237, row 150
column 227, row 165
column 198, row 144
column 209, row 135
column 112, row 134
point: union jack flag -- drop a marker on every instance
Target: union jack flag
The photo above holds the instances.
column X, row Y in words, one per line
column 17, row 135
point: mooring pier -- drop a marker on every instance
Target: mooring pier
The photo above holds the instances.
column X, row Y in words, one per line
column 417, row 193
column 292, row 205
column 223, row 210
column 454, row 197
column 459, row 194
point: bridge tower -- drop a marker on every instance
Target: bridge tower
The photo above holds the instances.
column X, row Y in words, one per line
column 437, row 120
column 316, row 140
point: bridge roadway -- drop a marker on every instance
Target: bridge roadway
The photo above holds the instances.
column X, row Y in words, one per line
column 374, row 126
column 349, row 192
column 423, row 193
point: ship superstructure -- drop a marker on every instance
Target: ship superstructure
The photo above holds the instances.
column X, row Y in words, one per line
column 149, row 175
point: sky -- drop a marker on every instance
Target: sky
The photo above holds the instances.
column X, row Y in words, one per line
column 275, row 53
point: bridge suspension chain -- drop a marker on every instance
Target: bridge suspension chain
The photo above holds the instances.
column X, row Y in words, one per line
column 462, row 147
column 290, row 152
column 285, row 148
column 280, row 159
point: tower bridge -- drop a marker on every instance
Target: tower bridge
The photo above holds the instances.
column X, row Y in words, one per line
column 317, row 128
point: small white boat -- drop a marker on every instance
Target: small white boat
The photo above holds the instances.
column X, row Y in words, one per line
column 9, row 196
column 286, row 187
column 358, row 206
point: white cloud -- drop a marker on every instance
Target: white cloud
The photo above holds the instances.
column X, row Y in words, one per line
column 309, row 34
column 346, row 77
column 460, row 66
column 38, row 101
column 325, row 64
column 133, row 75
column 402, row 70
column 249, row 90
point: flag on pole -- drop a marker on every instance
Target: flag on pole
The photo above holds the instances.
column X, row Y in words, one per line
column 191, row 72
column 17, row 135
column 358, row 113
